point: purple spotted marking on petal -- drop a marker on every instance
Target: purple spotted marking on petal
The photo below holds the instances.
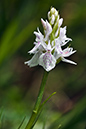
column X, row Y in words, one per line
column 47, row 58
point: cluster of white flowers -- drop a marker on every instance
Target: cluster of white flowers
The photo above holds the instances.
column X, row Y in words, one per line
column 48, row 47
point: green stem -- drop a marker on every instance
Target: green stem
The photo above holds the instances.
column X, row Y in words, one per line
column 38, row 102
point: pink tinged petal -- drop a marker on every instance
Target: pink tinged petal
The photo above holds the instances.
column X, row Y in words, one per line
column 48, row 61
column 68, row 51
column 48, row 30
column 43, row 23
column 68, row 61
column 48, row 27
column 34, row 61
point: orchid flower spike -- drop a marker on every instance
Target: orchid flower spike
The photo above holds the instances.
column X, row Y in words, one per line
column 48, row 46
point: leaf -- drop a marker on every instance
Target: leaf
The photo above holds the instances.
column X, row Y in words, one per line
column 1, row 114
column 7, row 38
column 21, row 123
column 41, row 107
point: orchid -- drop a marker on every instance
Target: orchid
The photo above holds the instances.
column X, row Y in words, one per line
column 48, row 46
column 47, row 52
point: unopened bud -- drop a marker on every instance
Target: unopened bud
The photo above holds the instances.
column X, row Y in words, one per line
column 53, row 10
column 52, row 15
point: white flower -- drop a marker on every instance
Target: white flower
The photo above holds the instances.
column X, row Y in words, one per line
column 48, row 46
column 62, row 39
column 59, row 53
column 47, row 59
column 40, row 42
column 63, row 36
column 47, row 28
column 39, row 36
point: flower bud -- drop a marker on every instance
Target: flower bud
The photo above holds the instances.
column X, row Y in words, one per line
column 53, row 10
column 52, row 15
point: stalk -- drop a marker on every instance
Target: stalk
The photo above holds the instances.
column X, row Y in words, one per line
column 38, row 102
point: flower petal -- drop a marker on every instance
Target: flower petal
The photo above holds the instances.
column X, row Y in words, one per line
column 43, row 23
column 63, row 31
column 60, row 22
column 62, row 36
column 68, row 51
column 39, row 36
column 35, row 48
column 47, row 60
column 48, row 30
column 57, row 41
column 34, row 60
column 68, row 61
column 65, row 40
column 47, row 27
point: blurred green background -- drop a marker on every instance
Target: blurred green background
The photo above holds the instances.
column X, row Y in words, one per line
column 19, row 84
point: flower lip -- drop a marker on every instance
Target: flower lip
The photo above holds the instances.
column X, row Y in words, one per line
column 47, row 60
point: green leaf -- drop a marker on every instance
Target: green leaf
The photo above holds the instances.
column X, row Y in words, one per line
column 41, row 107
column 21, row 123
column 6, row 40
column 1, row 114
